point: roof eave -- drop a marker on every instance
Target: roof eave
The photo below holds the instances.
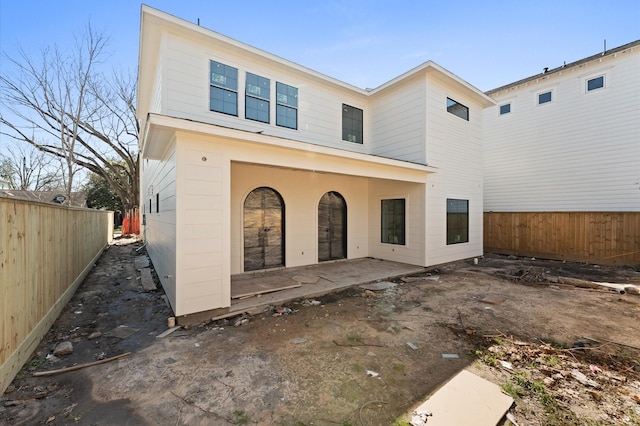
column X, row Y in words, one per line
column 563, row 67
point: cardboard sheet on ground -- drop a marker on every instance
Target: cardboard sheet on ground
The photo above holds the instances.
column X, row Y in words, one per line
column 466, row 400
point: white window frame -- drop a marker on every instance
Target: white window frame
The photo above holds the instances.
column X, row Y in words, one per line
column 593, row 77
column 510, row 108
column 541, row 92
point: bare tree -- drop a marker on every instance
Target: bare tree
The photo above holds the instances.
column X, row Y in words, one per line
column 84, row 117
column 26, row 168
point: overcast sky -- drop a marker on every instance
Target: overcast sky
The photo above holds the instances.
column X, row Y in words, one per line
column 364, row 43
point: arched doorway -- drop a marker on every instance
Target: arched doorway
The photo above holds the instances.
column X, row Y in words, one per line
column 263, row 229
column 332, row 227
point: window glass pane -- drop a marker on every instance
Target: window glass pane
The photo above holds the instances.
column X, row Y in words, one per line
column 287, row 95
column 286, row 116
column 258, row 86
column 543, row 98
column 256, row 109
column 595, row 83
column 286, row 106
column 457, row 221
column 505, row 109
column 223, row 101
column 352, row 124
column 224, row 76
column 223, row 96
column 393, row 221
column 456, row 108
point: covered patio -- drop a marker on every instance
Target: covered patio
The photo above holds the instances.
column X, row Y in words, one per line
column 308, row 282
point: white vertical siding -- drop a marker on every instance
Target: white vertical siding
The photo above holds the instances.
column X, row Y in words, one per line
column 398, row 122
column 156, row 99
column 454, row 146
column 159, row 177
column 319, row 103
column 413, row 193
column 203, row 224
column 581, row 152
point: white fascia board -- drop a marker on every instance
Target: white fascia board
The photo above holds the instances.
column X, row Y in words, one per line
column 161, row 129
column 432, row 67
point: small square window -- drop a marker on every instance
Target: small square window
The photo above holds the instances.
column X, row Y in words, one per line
column 505, row 109
column 595, row 83
column 456, row 108
column 543, row 98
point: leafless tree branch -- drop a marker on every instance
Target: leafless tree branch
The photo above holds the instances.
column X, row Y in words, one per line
column 64, row 106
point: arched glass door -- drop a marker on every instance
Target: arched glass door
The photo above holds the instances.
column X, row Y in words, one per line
column 332, row 227
column 263, row 229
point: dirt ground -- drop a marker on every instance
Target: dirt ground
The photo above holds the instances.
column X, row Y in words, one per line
column 568, row 355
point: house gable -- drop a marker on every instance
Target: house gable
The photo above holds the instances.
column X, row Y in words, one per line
column 175, row 81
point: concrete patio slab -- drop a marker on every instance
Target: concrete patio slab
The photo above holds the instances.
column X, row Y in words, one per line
column 333, row 276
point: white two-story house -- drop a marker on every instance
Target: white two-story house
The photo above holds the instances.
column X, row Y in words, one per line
column 250, row 162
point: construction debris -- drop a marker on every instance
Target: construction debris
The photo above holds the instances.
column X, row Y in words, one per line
column 556, row 378
column 412, row 346
column 63, row 348
column 168, row 332
column 382, row 285
column 78, row 367
column 121, row 332
column 542, row 275
column 450, row 356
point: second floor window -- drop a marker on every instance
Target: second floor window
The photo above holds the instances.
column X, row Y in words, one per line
column 351, row 124
column 258, row 94
column 223, row 88
column 544, row 97
column 595, row 83
column 456, row 108
column 286, row 106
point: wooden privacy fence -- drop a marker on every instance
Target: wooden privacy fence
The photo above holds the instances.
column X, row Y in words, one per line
column 46, row 250
column 595, row 237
